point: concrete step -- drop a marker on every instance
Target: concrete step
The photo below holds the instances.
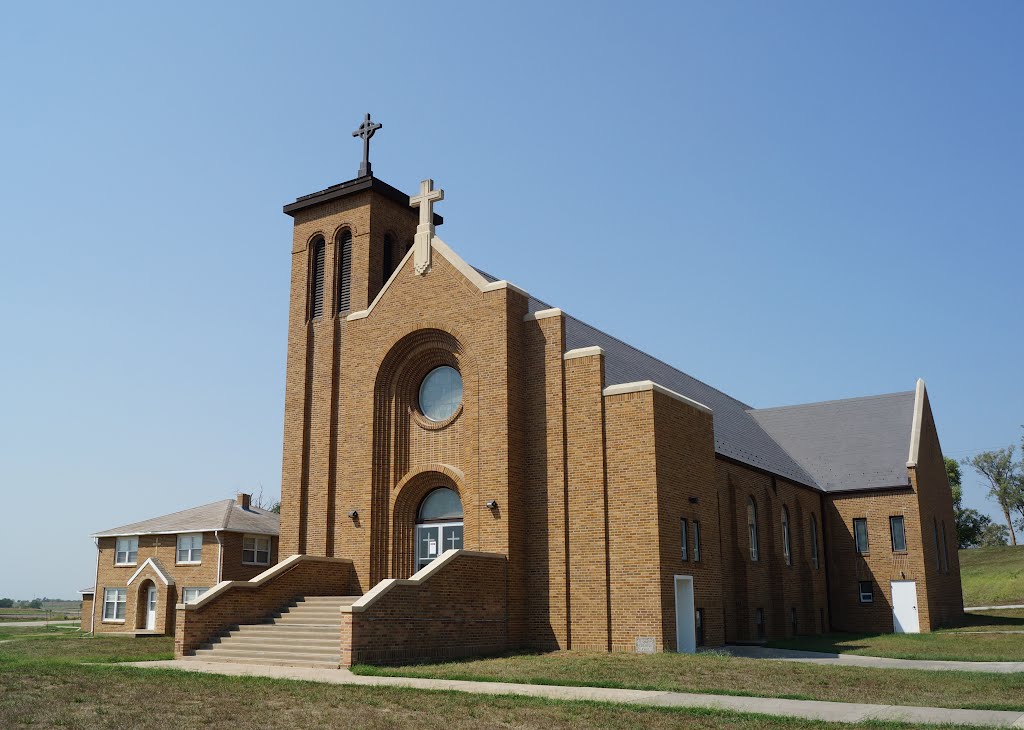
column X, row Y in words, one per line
column 322, row 621
column 283, row 662
column 257, row 656
column 325, row 652
column 292, row 629
column 280, row 639
column 311, row 612
column 330, row 600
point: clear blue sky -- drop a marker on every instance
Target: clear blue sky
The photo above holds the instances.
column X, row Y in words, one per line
column 827, row 197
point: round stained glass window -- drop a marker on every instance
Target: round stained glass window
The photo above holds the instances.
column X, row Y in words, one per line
column 441, row 393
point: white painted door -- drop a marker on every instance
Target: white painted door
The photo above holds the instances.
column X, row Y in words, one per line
column 151, row 609
column 904, row 607
column 686, row 629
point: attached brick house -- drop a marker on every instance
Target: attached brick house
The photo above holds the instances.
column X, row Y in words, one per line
column 468, row 469
column 146, row 568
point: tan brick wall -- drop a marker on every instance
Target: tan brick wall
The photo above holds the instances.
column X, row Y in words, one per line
column 460, row 610
column 234, row 566
column 86, row 621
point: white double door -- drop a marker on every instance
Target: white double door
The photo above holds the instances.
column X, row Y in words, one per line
column 434, row 539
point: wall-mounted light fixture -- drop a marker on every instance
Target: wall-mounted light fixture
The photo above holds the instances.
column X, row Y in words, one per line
column 354, row 514
column 492, row 504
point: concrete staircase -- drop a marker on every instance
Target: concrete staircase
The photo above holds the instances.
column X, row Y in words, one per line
column 306, row 634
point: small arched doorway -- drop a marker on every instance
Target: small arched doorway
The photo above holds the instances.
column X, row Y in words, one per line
column 438, row 525
column 145, row 612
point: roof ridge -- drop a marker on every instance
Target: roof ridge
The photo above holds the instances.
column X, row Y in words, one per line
column 831, row 402
column 169, row 514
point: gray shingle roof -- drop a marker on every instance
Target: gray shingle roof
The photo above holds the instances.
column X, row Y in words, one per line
column 860, row 443
column 821, row 445
column 225, row 516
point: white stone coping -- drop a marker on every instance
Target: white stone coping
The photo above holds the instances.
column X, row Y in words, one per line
column 542, row 314
column 168, row 581
column 269, row 574
column 915, row 429
column 455, row 260
column 644, row 385
column 583, row 352
column 374, row 594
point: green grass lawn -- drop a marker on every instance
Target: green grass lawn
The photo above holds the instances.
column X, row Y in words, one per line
column 720, row 674
column 992, row 576
column 51, row 678
column 947, row 644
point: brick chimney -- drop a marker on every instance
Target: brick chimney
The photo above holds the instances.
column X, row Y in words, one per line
column 243, row 500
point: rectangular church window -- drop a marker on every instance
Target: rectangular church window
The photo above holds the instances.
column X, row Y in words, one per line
column 860, row 534
column 899, row 534
column 684, row 537
column 696, row 541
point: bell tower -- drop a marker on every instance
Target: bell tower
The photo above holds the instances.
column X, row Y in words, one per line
column 347, row 240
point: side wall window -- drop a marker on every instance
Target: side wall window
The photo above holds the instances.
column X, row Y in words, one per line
column 696, row 541
column 684, row 538
column 860, row 534
column 938, row 548
column 752, row 529
column 945, row 546
column 814, row 541
column 344, row 270
column 897, row 529
column 786, row 552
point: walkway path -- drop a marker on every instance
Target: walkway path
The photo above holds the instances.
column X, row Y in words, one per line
column 4, row 624
column 809, row 709
column 856, row 660
column 992, row 608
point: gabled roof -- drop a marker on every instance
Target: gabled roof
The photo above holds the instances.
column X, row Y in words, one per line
column 859, row 443
column 224, row 516
column 835, row 446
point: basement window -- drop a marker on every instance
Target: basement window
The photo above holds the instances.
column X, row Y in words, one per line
column 127, row 551
column 867, row 592
column 191, row 595
column 255, row 550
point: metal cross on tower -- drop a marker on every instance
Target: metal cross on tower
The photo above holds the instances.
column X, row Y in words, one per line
column 366, row 130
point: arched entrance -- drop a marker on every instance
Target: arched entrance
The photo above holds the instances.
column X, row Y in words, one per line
column 438, row 525
column 145, row 612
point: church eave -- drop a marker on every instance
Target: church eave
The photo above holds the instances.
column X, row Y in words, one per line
column 351, row 187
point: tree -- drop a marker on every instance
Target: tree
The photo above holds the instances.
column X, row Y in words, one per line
column 970, row 523
column 993, row 535
column 35, row 603
column 6, row 603
column 1003, row 476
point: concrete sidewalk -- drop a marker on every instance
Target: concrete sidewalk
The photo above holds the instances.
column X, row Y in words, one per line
column 17, row 624
column 808, row 709
column 856, row 660
column 992, row 608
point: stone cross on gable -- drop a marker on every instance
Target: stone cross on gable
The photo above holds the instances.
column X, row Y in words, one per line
column 425, row 230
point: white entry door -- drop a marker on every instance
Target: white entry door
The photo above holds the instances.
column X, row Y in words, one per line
column 904, row 607
column 686, row 626
column 151, row 609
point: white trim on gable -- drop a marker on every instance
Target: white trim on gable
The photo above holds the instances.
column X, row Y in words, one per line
column 915, row 429
column 645, row 385
column 168, row 581
column 455, row 260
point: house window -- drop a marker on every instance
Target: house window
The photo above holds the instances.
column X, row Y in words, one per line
column 814, row 542
column 899, row 535
column 344, row 269
column 256, row 550
column 114, row 602
column 191, row 595
column 759, row 623
column 190, row 548
column 938, row 548
column 316, row 289
column 785, row 536
column 752, row 528
column 699, row 626
column 945, row 546
column 867, row 592
column 696, row 541
column 127, row 551
column 684, row 537
column 860, row 535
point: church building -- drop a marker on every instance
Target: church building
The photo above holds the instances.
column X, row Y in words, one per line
column 468, row 469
